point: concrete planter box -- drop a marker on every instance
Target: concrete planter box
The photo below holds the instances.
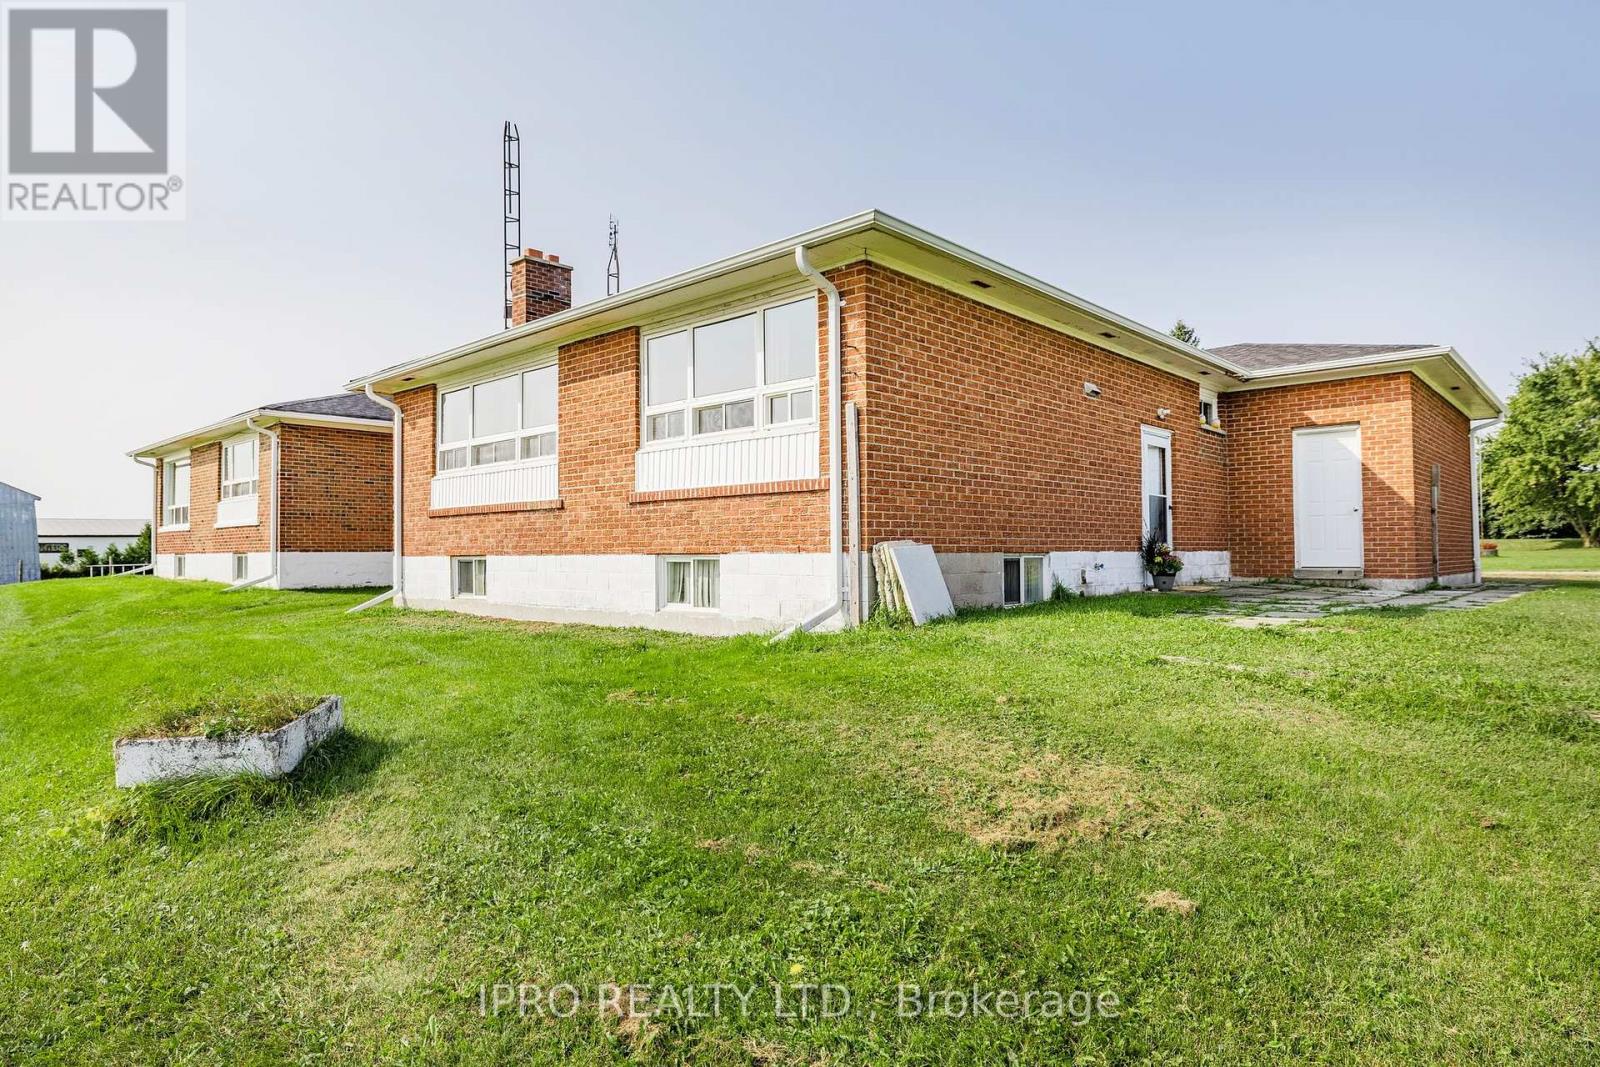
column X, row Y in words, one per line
column 272, row 754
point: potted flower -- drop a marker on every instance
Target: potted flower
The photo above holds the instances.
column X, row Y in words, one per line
column 1490, row 548
column 1162, row 563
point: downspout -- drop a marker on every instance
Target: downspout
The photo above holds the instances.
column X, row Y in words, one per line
column 272, row 503
column 835, row 489
column 1475, row 445
column 155, row 505
column 396, row 591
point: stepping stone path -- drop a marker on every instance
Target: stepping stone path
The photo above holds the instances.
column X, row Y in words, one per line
column 1285, row 603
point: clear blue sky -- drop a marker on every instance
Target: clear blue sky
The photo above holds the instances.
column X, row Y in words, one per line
column 1269, row 172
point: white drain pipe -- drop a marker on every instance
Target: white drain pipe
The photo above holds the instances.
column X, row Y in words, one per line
column 835, row 489
column 155, row 505
column 1475, row 444
column 396, row 592
column 272, row 502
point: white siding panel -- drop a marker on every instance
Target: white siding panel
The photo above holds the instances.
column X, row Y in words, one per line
column 236, row 511
column 500, row 485
column 741, row 461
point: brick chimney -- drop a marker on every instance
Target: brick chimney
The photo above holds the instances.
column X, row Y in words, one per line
column 540, row 285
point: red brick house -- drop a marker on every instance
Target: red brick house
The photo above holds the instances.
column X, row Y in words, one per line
column 673, row 456
column 290, row 496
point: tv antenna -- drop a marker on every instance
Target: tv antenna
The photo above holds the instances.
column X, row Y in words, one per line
column 511, row 214
column 614, row 266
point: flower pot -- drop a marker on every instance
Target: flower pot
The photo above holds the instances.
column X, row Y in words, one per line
column 1164, row 582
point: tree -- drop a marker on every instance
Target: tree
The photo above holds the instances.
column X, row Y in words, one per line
column 1542, row 468
column 138, row 550
column 1185, row 333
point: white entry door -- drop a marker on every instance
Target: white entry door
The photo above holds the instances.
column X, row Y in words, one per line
column 1327, row 498
column 1156, row 447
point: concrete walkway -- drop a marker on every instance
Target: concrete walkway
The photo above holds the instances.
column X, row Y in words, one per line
column 1282, row 603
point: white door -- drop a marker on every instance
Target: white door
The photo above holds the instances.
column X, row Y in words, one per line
column 1327, row 498
column 1156, row 446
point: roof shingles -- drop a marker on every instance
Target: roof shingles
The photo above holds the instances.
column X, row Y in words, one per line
column 347, row 405
column 1260, row 357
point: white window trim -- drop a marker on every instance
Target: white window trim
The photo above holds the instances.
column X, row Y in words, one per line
column 167, row 526
column 1209, row 396
column 758, row 393
column 241, row 566
column 455, row 578
column 440, row 446
column 661, row 585
column 1022, row 578
column 223, row 481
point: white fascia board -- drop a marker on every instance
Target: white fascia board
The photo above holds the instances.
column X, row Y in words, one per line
column 234, row 425
column 596, row 316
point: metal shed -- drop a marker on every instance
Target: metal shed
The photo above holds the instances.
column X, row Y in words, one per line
column 19, row 536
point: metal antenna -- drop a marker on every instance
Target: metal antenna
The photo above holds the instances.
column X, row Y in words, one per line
column 614, row 267
column 511, row 226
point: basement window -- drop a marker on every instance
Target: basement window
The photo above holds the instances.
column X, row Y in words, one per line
column 732, row 375
column 507, row 419
column 690, row 582
column 1022, row 580
column 241, row 566
column 469, row 576
column 180, row 566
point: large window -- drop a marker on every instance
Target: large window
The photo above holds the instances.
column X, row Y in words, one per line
column 758, row 369
column 239, row 467
column 499, row 421
column 175, row 491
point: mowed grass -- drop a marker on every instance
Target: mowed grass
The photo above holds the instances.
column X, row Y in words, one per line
column 1549, row 554
column 1388, row 823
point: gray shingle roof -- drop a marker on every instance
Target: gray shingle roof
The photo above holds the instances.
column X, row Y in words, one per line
column 349, row 405
column 1271, row 357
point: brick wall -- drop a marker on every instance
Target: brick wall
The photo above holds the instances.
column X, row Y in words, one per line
column 336, row 490
column 205, row 485
column 1405, row 428
column 977, row 435
column 1442, row 435
column 599, row 434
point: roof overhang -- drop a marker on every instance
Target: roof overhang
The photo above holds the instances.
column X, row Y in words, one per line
column 235, row 424
column 870, row 235
column 1441, row 368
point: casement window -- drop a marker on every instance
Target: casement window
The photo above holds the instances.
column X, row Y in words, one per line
column 175, row 491
column 241, row 566
column 469, row 576
column 733, row 375
column 239, row 468
column 504, row 420
column 180, row 566
column 1022, row 580
column 691, row 582
column 1208, row 410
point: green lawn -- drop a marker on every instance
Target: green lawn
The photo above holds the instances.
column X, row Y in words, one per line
column 1388, row 821
column 1533, row 554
